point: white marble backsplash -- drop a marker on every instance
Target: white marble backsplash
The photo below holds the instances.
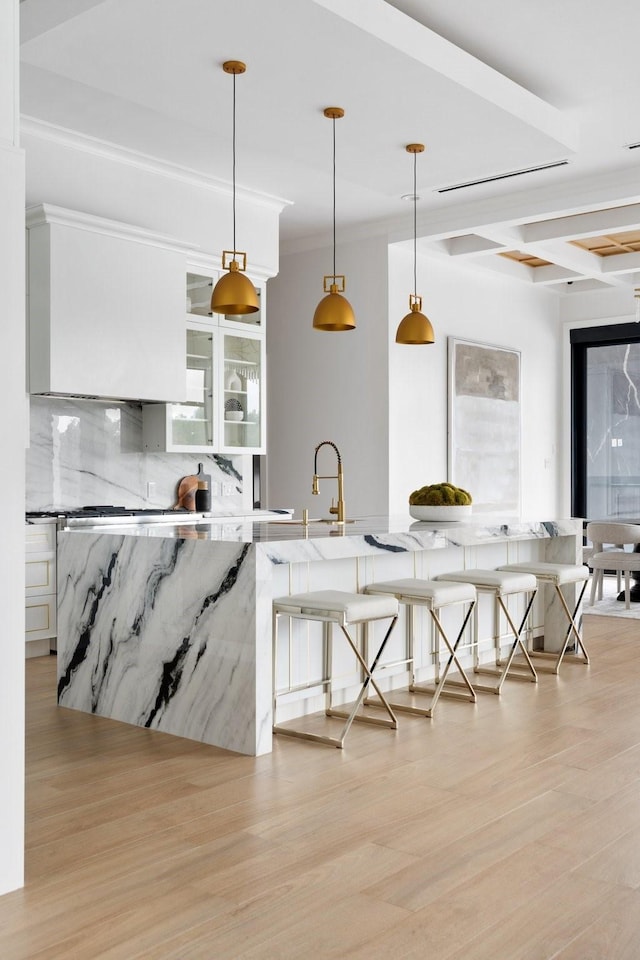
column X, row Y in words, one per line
column 86, row 452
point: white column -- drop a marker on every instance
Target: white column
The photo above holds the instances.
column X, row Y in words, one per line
column 13, row 434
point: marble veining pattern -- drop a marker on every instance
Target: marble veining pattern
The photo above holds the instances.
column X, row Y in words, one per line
column 173, row 632
column 90, row 452
column 148, row 635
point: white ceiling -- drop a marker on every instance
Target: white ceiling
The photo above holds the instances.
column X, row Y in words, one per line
column 490, row 88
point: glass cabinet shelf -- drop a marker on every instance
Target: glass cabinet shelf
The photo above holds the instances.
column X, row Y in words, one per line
column 242, row 416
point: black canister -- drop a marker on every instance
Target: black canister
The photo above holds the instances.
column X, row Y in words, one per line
column 203, row 492
column 203, row 497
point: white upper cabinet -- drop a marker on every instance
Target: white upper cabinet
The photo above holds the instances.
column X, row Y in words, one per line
column 106, row 308
column 224, row 410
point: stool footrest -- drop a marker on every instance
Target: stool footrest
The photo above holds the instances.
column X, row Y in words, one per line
column 549, row 655
column 445, row 692
column 316, row 737
column 555, row 668
column 511, row 675
column 363, row 717
column 403, row 707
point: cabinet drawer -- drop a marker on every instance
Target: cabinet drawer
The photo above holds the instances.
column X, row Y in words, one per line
column 40, row 617
column 40, row 538
column 40, row 576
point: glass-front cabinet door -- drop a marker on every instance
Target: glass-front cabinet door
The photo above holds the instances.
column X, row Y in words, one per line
column 191, row 422
column 224, row 409
column 199, row 289
column 244, row 391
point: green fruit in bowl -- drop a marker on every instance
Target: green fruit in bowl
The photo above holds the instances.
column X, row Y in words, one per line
column 440, row 495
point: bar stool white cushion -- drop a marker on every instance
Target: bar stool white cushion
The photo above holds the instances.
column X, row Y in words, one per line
column 353, row 607
column 503, row 582
column 433, row 594
column 558, row 572
column 438, row 592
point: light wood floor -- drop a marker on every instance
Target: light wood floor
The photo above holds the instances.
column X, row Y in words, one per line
column 508, row 830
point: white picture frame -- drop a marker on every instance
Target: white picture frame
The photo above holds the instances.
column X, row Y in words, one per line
column 484, row 424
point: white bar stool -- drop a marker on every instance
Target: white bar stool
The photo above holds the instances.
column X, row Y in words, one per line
column 559, row 574
column 337, row 607
column 434, row 595
column 500, row 584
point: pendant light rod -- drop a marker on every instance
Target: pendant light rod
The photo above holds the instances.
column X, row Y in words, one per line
column 415, row 149
column 233, row 161
column 234, row 294
column 333, row 114
column 234, row 67
column 333, row 125
column 334, row 312
column 415, row 327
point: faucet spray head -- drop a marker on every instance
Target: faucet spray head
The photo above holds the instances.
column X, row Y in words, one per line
column 315, row 486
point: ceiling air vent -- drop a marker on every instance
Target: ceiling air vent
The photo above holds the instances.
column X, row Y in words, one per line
column 503, row 176
column 632, row 146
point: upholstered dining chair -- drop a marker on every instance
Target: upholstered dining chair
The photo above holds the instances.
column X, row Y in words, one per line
column 604, row 535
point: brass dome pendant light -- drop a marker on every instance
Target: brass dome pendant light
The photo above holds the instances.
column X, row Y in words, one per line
column 234, row 294
column 334, row 312
column 415, row 328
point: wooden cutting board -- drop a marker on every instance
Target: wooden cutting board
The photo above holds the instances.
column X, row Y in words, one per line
column 186, row 495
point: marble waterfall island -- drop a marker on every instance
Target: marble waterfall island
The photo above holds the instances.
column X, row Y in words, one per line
column 168, row 626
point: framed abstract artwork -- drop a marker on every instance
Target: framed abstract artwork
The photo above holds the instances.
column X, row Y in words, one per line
column 484, row 415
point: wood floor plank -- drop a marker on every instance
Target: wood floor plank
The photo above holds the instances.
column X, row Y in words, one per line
column 506, row 830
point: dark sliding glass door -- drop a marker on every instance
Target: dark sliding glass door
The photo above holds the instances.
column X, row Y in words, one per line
column 605, row 374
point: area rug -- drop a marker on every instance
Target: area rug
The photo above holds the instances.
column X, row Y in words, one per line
column 609, row 606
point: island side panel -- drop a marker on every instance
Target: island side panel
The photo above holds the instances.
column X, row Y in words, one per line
column 161, row 633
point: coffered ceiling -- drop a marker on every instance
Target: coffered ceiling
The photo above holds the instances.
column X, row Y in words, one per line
column 529, row 113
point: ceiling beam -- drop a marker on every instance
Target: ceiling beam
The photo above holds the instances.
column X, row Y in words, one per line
column 40, row 16
column 583, row 225
column 413, row 39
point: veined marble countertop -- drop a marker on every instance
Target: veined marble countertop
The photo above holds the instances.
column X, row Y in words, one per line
column 286, row 541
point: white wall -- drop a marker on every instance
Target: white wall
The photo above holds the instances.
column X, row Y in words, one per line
column 328, row 386
column 85, row 175
column 13, row 402
column 385, row 404
column 472, row 304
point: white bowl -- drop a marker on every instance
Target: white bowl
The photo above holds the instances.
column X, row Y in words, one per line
column 234, row 415
column 449, row 512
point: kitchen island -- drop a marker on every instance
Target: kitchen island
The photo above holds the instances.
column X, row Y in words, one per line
column 168, row 626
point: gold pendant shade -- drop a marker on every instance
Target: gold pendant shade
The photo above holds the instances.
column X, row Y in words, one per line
column 334, row 312
column 234, row 294
column 415, row 328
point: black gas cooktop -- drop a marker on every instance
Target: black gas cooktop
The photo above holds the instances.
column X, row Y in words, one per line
column 104, row 510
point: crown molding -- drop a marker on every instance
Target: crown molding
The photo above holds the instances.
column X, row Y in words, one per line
column 42, row 130
column 45, row 213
